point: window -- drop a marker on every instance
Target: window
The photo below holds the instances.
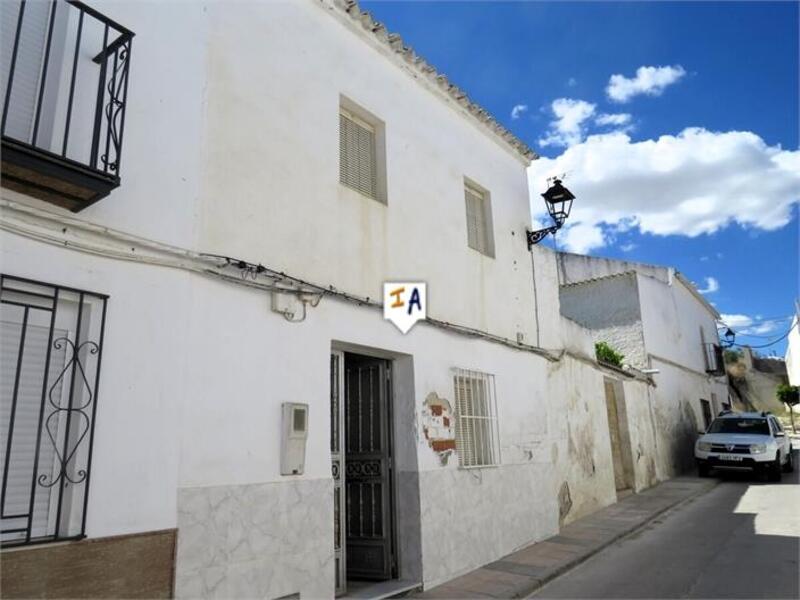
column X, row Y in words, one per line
column 479, row 230
column 742, row 425
column 362, row 158
column 477, row 432
column 50, row 346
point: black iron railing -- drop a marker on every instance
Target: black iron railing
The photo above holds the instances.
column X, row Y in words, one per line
column 65, row 82
column 51, row 341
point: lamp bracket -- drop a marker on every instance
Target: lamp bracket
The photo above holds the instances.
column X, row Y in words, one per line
column 534, row 237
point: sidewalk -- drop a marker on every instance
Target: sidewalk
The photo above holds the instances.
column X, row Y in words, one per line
column 521, row 573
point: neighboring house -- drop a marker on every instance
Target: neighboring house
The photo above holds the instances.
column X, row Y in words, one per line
column 661, row 324
column 197, row 376
column 754, row 381
column 792, row 357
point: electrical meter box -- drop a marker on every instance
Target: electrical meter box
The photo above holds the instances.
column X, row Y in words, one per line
column 293, row 438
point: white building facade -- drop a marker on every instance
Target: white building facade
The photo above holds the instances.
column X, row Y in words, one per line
column 662, row 325
column 169, row 349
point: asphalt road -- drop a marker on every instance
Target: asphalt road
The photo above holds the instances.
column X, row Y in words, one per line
column 740, row 540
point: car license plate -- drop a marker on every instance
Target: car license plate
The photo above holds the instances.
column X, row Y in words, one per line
column 731, row 458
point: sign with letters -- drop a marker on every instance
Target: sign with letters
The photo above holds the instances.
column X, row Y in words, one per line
column 404, row 303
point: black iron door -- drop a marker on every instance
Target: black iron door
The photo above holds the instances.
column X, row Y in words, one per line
column 368, row 463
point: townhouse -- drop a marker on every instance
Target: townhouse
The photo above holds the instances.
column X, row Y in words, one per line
column 200, row 394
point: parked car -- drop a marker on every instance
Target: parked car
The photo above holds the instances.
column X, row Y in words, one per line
column 744, row 441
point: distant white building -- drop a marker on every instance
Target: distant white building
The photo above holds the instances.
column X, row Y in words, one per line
column 661, row 324
column 793, row 352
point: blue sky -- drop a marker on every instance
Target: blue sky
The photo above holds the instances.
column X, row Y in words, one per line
column 691, row 162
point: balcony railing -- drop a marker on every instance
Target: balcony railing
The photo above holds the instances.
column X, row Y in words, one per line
column 64, row 86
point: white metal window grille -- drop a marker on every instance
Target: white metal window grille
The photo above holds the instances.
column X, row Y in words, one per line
column 357, row 162
column 477, row 234
column 477, row 433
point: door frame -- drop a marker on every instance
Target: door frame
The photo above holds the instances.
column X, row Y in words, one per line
column 339, row 354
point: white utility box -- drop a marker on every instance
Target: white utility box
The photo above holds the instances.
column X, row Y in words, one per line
column 293, row 438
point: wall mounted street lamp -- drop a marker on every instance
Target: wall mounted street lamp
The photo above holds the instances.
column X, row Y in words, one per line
column 730, row 337
column 558, row 200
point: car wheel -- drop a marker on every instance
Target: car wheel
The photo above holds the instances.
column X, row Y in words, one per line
column 703, row 470
column 774, row 470
column 789, row 466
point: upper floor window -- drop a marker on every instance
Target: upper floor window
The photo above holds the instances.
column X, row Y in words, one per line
column 479, row 219
column 361, row 152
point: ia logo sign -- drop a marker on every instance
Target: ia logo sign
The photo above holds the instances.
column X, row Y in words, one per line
column 404, row 304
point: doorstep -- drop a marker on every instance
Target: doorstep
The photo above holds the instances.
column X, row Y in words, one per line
column 393, row 588
column 522, row 572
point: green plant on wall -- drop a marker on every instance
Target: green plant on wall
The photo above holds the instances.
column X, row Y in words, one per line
column 732, row 356
column 606, row 354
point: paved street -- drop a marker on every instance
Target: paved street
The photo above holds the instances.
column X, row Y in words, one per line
column 740, row 540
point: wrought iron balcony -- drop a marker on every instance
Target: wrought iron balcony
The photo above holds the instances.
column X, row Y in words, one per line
column 64, row 87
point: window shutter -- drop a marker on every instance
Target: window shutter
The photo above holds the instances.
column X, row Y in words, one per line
column 26, row 421
column 476, row 220
column 357, row 165
column 477, row 440
column 28, row 68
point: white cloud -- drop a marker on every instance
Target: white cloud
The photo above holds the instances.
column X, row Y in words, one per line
column 572, row 82
column 650, row 81
column 568, row 127
column 617, row 120
column 580, row 237
column 693, row 183
column 711, row 286
column 519, row 110
column 745, row 325
column 627, row 247
column 735, row 321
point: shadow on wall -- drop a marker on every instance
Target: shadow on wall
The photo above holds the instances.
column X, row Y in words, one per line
column 684, row 435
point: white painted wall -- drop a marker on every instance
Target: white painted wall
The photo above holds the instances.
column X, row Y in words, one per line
column 793, row 353
column 231, row 146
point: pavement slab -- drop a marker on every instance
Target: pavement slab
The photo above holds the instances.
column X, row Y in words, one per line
column 520, row 573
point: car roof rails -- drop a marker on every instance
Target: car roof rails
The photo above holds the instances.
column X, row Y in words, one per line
column 727, row 411
column 764, row 413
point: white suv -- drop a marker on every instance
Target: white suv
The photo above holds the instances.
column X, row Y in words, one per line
column 744, row 441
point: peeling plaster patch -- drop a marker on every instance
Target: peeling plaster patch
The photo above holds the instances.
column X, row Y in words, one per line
column 564, row 502
column 438, row 426
column 582, row 451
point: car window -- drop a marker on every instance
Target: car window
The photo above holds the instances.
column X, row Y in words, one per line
column 753, row 426
column 777, row 425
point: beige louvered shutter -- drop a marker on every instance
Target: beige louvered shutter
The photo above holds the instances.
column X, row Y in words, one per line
column 476, row 220
column 28, row 67
column 357, row 166
column 28, row 381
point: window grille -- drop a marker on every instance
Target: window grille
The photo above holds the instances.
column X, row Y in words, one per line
column 51, row 341
column 477, row 433
column 357, row 162
column 477, row 231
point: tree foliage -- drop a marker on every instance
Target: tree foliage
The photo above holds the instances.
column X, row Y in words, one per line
column 607, row 354
column 732, row 356
column 788, row 394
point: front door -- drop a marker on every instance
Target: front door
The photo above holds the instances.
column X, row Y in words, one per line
column 616, row 439
column 368, row 468
column 364, row 486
